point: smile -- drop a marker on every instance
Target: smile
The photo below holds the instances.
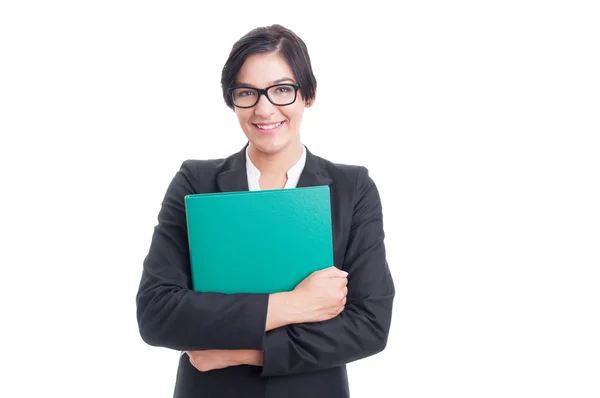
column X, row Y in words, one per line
column 268, row 126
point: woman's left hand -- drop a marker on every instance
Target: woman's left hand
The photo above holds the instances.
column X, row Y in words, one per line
column 206, row 360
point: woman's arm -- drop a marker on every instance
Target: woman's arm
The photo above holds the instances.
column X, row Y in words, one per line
column 170, row 314
column 319, row 297
column 362, row 328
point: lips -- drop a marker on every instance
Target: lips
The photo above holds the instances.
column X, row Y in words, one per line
column 269, row 129
column 268, row 126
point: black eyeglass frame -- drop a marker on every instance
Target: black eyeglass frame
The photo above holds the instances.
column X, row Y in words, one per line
column 265, row 92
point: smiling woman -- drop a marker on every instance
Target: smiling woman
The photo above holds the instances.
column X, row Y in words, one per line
column 236, row 344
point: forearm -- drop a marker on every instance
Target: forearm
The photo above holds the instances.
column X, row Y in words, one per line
column 283, row 309
column 249, row 357
column 185, row 320
column 358, row 332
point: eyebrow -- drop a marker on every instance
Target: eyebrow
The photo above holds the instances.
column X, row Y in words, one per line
column 283, row 79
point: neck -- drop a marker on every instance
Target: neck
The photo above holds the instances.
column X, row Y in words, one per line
column 276, row 163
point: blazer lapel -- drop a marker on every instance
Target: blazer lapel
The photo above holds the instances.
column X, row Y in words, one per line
column 313, row 175
column 235, row 178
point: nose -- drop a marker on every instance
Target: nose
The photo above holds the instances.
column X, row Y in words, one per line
column 264, row 108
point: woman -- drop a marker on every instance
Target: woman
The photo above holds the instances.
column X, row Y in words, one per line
column 289, row 344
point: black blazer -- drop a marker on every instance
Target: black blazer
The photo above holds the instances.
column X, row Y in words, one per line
column 302, row 360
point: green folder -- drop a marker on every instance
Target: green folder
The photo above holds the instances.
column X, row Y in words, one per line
column 258, row 241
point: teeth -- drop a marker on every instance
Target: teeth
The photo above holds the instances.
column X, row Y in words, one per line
column 268, row 126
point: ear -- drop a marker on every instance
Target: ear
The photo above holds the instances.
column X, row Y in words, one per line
column 310, row 103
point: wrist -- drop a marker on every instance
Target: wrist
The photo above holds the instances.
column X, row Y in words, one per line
column 282, row 310
column 252, row 357
column 294, row 307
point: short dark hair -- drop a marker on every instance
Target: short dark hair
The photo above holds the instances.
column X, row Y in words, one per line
column 274, row 38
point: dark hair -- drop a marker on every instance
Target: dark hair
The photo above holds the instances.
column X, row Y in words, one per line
column 274, row 38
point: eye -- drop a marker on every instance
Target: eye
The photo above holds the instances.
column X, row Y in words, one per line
column 245, row 93
column 283, row 89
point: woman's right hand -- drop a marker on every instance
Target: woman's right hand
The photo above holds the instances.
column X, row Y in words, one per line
column 322, row 295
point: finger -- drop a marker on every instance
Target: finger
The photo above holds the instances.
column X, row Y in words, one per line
column 333, row 272
column 329, row 272
column 342, row 275
column 342, row 282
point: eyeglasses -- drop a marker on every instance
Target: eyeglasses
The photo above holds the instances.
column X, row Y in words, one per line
column 278, row 94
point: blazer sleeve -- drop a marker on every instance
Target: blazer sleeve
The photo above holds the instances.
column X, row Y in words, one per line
column 169, row 313
column 362, row 329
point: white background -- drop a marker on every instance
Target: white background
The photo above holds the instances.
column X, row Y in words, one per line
column 478, row 120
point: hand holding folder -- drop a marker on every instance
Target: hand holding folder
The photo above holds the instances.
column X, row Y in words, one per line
column 258, row 241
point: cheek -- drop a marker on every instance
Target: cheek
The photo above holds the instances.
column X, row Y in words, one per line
column 242, row 115
column 294, row 114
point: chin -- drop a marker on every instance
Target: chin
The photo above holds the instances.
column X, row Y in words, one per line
column 267, row 148
column 269, row 144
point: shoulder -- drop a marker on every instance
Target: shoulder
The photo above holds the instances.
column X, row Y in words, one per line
column 352, row 185
column 207, row 167
column 352, row 176
column 200, row 175
column 203, row 166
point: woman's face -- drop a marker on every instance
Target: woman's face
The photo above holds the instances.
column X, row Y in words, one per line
column 269, row 128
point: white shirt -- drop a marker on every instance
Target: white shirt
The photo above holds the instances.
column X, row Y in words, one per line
column 293, row 174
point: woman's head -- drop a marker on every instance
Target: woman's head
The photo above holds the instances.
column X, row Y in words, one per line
column 272, row 58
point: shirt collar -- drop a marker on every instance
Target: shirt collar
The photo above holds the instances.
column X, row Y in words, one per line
column 293, row 174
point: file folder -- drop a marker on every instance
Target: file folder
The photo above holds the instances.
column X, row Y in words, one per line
column 258, row 241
